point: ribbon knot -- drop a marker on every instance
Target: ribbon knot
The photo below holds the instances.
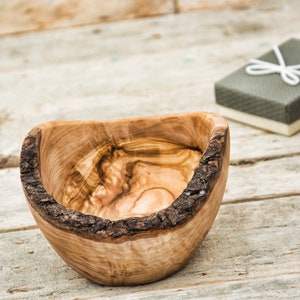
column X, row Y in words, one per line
column 289, row 74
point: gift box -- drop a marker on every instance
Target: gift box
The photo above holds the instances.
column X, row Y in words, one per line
column 266, row 92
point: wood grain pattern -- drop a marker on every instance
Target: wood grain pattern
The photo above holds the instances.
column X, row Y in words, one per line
column 146, row 67
column 20, row 15
column 131, row 179
column 186, row 5
column 49, row 153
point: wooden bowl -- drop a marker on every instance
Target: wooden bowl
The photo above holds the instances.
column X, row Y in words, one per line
column 129, row 201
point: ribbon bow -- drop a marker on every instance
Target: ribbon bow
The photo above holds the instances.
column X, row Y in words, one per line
column 289, row 74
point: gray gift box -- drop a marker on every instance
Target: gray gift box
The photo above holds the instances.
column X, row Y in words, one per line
column 264, row 101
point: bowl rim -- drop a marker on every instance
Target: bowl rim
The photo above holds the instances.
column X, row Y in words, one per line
column 183, row 208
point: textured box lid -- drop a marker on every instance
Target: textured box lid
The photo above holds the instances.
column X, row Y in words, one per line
column 265, row 96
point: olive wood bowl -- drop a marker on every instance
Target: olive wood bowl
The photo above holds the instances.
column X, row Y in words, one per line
column 126, row 202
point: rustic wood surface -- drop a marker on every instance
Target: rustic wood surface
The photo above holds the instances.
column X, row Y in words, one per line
column 143, row 67
column 21, row 15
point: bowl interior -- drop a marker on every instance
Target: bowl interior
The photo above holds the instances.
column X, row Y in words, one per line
column 122, row 169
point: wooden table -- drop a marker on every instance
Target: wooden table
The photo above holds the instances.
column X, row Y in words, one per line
column 145, row 67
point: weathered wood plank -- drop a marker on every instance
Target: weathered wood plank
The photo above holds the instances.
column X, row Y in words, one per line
column 186, row 5
column 246, row 148
column 269, row 5
column 253, row 249
column 14, row 213
column 114, row 41
column 116, row 71
column 258, row 288
column 39, row 99
column 20, row 15
column 280, row 177
column 264, row 179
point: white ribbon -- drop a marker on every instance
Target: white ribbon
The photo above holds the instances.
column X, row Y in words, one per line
column 289, row 74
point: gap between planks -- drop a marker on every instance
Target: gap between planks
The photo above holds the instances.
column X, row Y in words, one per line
column 14, row 229
column 262, row 198
column 248, row 162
